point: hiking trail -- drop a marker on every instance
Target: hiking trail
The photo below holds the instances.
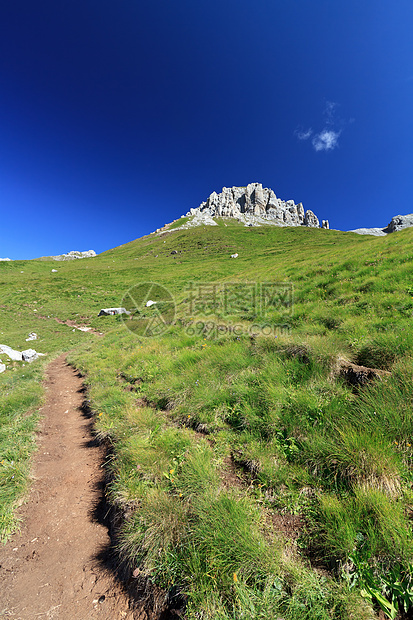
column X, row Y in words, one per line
column 51, row 568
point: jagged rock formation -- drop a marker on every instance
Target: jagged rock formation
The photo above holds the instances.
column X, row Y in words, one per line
column 398, row 222
column 73, row 254
column 255, row 205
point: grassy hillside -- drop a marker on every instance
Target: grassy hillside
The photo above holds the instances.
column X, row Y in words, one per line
column 260, row 479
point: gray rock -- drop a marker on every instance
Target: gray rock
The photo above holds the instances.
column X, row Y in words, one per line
column 252, row 205
column 325, row 224
column 29, row 355
column 399, row 222
column 111, row 311
column 377, row 232
column 311, row 220
column 74, row 254
column 15, row 356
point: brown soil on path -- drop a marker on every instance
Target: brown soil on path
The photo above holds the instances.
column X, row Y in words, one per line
column 50, row 569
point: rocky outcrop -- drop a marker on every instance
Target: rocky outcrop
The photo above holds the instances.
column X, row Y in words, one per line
column 376, row 232
column 254, row 205
column 398, row 222
column 73, row 254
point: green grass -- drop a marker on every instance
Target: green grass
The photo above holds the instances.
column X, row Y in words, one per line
column 219, row 438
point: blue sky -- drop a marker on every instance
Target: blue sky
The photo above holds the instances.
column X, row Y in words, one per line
column 117, row 117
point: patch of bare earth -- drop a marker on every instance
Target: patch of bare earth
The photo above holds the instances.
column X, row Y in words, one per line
column 51, row 569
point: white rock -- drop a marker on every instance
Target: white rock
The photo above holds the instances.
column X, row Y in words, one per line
column 234, row 255
column 110, row 311
column 54, row 270
column 29, row 355
column 377, row 232
column 15, row 356
column 32, row 336
column 73, row 254
column 2, row 368
column 150, row 303
column 252, row 205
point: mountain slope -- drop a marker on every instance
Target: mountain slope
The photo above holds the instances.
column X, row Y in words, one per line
column 261, row 471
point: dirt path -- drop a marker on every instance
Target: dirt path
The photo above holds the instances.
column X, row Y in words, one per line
column 49, row 570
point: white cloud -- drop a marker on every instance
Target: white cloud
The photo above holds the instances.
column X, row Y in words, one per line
column 303, row 135
column 329, row 112
column 326, row 140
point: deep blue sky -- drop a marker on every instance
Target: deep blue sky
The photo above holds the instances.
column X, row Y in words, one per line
column 118, row 116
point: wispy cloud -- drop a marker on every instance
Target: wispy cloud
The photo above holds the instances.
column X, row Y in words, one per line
column 327, row 138
column 303, row 134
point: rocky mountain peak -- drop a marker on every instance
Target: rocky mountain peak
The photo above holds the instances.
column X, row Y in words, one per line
column 255, row 205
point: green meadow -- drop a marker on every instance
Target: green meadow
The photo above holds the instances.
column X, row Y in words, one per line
column 254, row 480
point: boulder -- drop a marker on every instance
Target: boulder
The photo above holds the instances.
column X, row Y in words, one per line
column 29, row 355
column 15, row 356
column 111, row 311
